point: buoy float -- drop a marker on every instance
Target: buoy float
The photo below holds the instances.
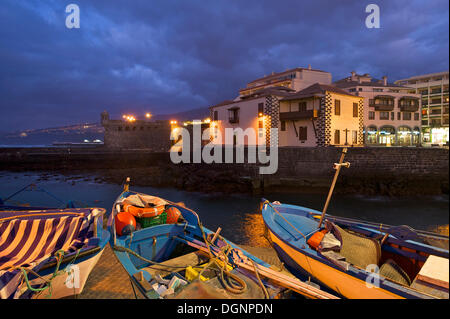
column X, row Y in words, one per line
column 173, row 214
column 125, row 223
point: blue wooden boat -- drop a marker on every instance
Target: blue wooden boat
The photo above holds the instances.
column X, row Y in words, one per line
column 48, row 253
column 185, row 259
column 358, row 259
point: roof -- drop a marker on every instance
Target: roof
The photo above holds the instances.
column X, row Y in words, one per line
column 285, row 72
column 273, row 90
column 415, row 77
column 226, row 102
column 348, row 83
column 316, row 89
column 276, row 90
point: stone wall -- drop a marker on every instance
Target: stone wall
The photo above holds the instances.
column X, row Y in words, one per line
column 154, row 136
column 374, row 171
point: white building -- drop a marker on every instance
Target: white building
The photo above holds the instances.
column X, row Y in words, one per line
column 392, row 114
column 435, row 101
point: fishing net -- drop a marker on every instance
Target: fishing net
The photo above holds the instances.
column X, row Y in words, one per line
column 357, row 250
column 392, row 271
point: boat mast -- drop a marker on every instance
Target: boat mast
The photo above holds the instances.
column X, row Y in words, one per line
column 337, row 167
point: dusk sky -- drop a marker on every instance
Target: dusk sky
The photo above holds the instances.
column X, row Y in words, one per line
column 168, row 56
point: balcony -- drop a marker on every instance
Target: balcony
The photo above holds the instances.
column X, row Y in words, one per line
column 382, row 103
column 408, row 104
column 309, row 114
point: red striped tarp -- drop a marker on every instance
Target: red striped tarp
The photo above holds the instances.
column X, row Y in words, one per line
column 30, row 238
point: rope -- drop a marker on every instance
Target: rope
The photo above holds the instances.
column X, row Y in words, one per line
column 129, row 251
column 59, row 256
column 259, row 280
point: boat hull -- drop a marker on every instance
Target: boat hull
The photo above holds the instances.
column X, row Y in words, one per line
column 335, row 279
column 66, row 285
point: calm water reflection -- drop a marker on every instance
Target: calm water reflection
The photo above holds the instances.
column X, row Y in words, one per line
column 236, row 214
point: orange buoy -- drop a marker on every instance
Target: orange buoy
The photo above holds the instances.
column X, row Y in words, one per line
column 173, row 214
column 125, row 223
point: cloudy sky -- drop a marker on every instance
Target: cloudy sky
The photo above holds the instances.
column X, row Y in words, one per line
column 174, row 55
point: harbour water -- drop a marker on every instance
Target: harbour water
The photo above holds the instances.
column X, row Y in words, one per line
column 235, row 214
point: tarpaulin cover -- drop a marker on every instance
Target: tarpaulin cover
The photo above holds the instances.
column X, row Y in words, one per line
column 30, row 238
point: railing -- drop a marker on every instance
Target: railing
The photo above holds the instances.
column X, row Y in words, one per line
column 299, row 115
column 409, row 108
column 383, row 107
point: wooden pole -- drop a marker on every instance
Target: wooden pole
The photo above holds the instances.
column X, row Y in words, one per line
column 338, row 169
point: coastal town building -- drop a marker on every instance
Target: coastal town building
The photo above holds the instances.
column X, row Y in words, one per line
column 258, row 105
column 433, row 88
column 133, row 133
column 321, row 115
column 392, row 113
column 300, row 103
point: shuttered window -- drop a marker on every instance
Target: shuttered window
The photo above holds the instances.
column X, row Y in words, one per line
column 355, row 109
column 303, row 133
column 337, row 107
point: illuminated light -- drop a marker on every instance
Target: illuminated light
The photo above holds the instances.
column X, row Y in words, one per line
column 185, row 124
column 208, row 120
column 173, row 122
column 148, row 115
column 260, row 114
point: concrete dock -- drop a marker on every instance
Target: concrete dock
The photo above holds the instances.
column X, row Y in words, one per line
column 108, row 280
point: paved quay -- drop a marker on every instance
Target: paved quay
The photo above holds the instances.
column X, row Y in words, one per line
column 108, row 279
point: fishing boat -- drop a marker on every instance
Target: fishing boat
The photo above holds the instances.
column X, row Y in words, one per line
column 358, row 259
column 168, row 253
column 48, row 252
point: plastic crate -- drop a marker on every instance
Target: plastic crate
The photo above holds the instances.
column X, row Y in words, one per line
column 152, row 221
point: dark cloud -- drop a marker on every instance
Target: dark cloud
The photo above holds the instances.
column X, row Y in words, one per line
column 168, row 56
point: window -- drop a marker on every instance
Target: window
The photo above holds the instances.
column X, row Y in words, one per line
column 378, row 90
column 384, row 115
column 303, row 133
column 233, row 115
column 260, row 109
column 392, row 116
column 337, row 137
column 302, row 107
column 337, row 107
column 216, row 116
column 416, row 116
column 260, row 124
column 371, row 115
column 398, row 116
column 355, row 109
column 406, row 116
column 354, row 137
column 283, row 125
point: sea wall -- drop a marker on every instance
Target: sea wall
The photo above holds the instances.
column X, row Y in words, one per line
column 382, row 171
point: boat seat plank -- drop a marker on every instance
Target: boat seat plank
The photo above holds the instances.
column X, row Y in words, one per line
column 435, row 271
column 164, row 268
